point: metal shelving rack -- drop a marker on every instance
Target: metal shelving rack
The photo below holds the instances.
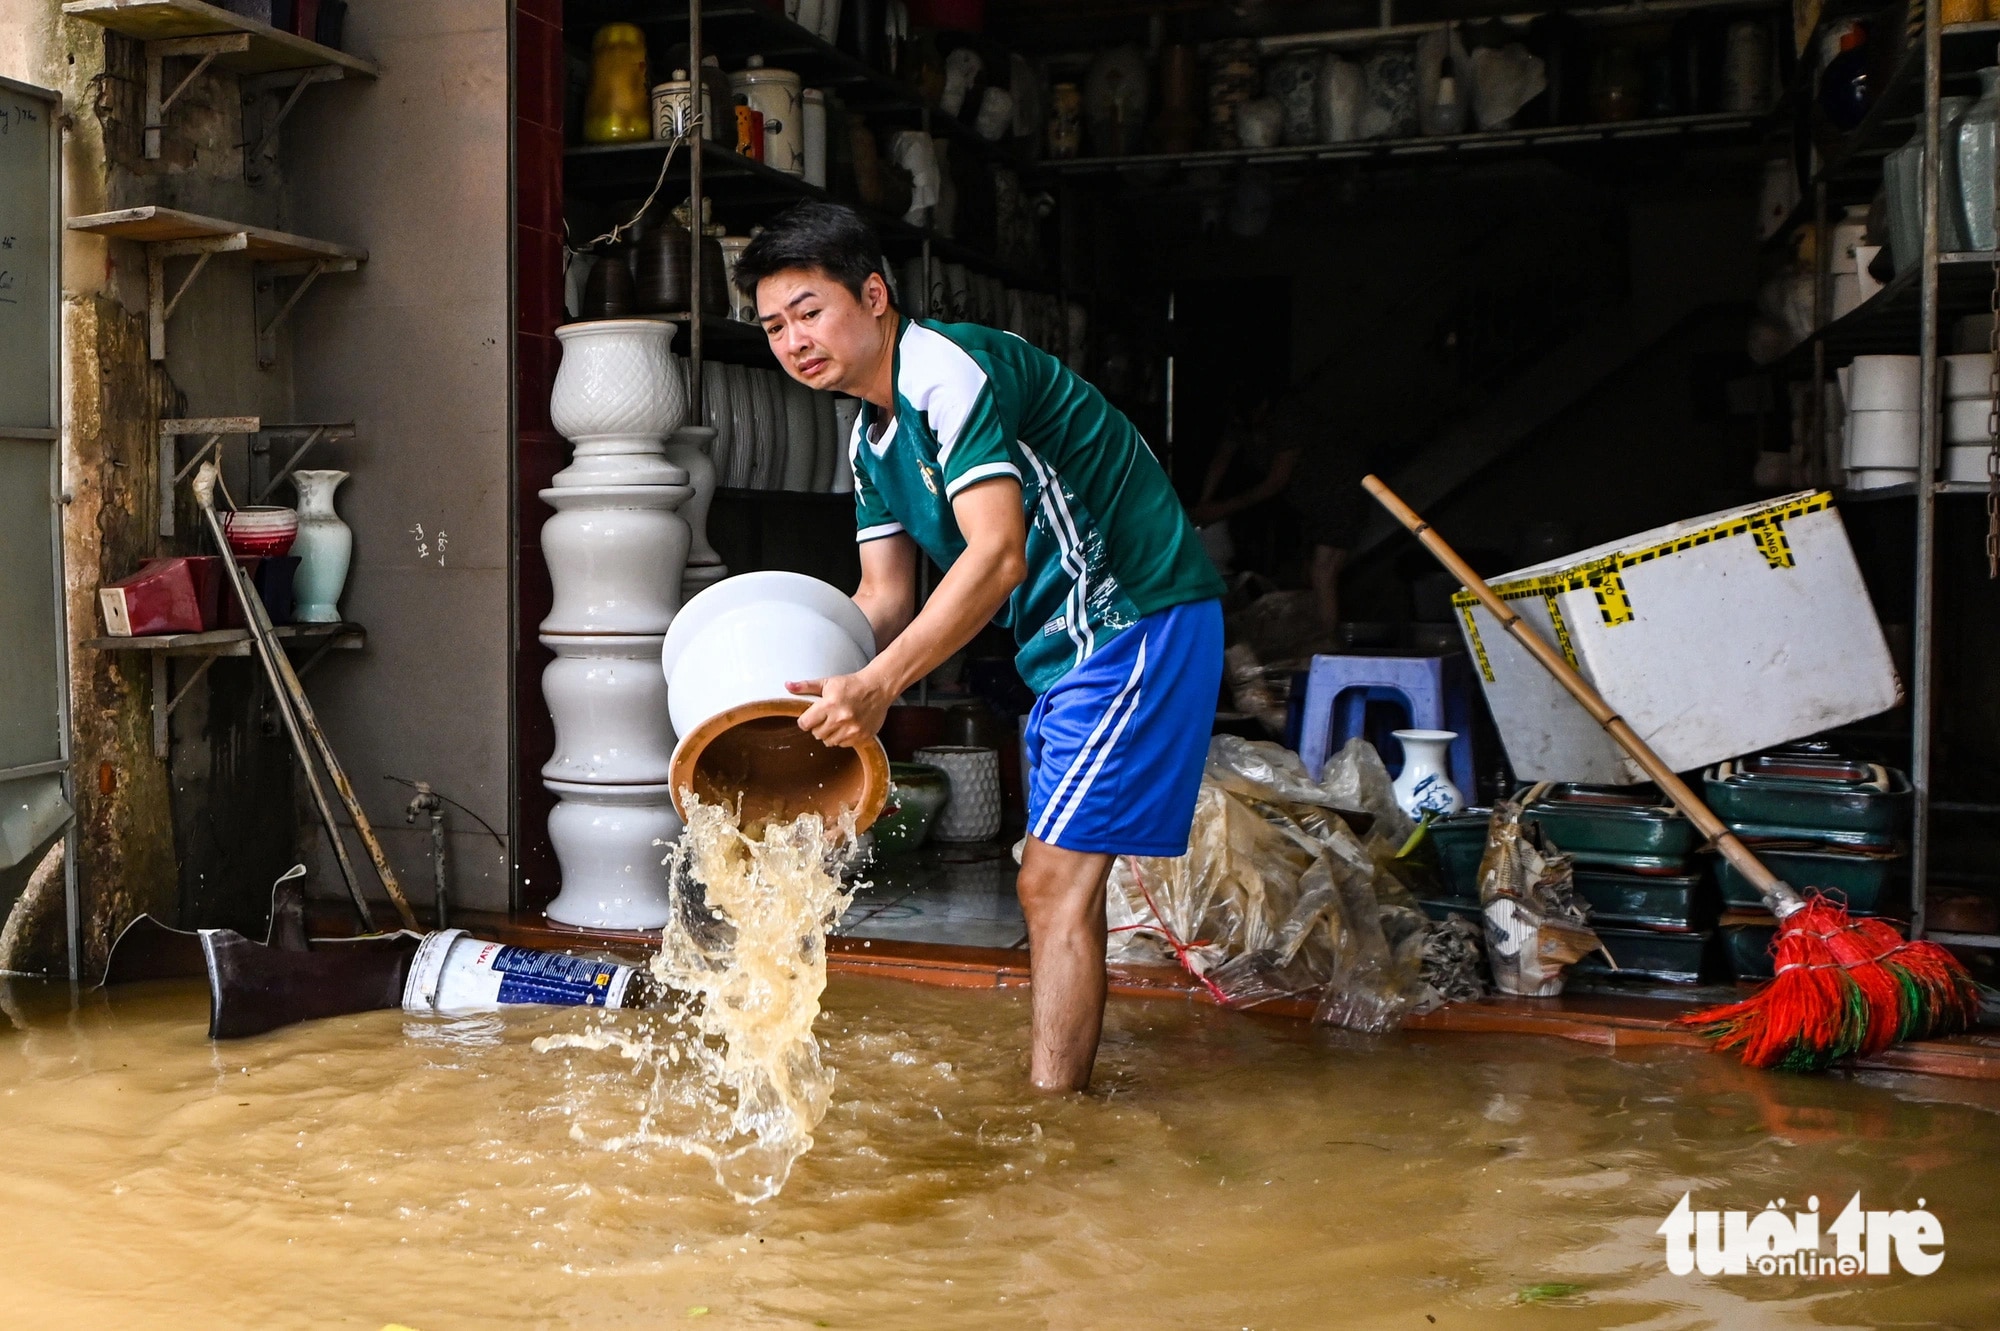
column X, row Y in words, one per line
column 1912, row 306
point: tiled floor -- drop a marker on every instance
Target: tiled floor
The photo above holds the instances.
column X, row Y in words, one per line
column 961, row 894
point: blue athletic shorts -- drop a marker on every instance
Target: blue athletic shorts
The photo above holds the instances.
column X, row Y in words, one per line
column 1116, row 747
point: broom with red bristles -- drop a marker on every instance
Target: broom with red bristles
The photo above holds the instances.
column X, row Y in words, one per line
column 1843, row 987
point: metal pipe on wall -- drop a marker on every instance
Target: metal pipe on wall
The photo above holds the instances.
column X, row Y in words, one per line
column 1922, row 701
column 695, row 231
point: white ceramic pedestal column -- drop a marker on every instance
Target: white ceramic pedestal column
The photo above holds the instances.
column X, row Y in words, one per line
column 615, row 548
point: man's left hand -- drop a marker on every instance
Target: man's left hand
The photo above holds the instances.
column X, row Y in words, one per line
column 849, row 712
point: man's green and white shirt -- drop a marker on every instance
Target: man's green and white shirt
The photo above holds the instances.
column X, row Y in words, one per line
column 1107, row 541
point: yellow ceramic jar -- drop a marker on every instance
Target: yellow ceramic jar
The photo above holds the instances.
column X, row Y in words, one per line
column 619, row 107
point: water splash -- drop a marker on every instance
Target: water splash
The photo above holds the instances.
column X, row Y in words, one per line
column 731, row 1071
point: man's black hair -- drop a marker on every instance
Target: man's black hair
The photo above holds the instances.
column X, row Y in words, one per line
column 826, row 236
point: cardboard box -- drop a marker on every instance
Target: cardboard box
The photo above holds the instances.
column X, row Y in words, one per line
column 1713, row 638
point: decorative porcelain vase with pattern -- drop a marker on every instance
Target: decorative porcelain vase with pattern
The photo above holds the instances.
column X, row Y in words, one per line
column 325, row 547
column 973, row 811
column 1425, row 784
column 617, row 396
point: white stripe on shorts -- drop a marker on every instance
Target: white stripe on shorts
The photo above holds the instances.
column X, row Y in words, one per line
column 1084, row 756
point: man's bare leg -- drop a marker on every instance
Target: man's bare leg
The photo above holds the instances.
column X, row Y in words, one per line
column 1062, row 896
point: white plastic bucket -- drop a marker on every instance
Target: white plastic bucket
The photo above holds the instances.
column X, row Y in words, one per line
column 455, row 972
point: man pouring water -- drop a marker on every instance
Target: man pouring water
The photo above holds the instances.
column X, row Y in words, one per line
column 1047, row 511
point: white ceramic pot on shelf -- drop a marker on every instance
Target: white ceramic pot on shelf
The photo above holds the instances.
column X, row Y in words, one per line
column 1965, row 464
column 617, row 396
column 973, row 811
column 1883, row 383
column 801, row 455
column 615, row 557
column 1881, row 438
column 609, row 702
column 826, row 442
column 325, row 547
column 1966, row 375
column 1968, row 420
column 611, row 842
column 727, row 659
column 689, row 450
column 1425, row 783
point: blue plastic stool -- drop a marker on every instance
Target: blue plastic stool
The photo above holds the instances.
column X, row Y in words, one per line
column 1436, row 691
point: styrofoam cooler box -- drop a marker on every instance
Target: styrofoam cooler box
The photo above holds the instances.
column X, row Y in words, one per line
column 1712, row 637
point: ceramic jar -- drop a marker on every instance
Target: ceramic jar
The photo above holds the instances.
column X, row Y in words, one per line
column 1390, row 111
column 972, row 813
column 673, row 106
column 1339, row 95
column 779, row 96
column 1115, row 94
column 1294, row 81
column 1260, row 123
column 609, row 702
column 742, row 308
column 1232, row 81
column 1902, row 186
column 689, row 450
column 611, row 843
column 812, row 117
column 727, row 658
column 608, row 292
column 1976, row 163
column 1425, row 783
column 617, row 108
column 1065, row 121
column 617, row 395
column 615, row 554
column 917, row 792
column 324, row 545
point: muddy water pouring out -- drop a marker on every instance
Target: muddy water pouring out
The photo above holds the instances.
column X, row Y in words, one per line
column 727, row 1068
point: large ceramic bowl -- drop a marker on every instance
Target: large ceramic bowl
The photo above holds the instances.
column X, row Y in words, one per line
column 727, row 657
column 261, row 532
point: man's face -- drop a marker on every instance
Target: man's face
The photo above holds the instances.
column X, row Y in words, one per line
column 824, row 336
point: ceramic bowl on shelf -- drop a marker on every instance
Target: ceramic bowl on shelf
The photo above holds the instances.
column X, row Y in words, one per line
column 1968, row 420
column 1883, row 383
column 1966, row 375
column 265, row 532
column 1878, row 478
column 1965, row 464
column 1883, row 438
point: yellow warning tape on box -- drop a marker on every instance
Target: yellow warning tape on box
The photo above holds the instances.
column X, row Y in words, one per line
column 1604, row 579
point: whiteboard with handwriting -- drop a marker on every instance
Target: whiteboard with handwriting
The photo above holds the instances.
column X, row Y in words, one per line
column 27, row 248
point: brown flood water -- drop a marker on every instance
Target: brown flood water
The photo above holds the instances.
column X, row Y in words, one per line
column 1227, row 1172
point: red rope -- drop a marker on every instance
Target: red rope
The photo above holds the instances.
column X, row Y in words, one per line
column 1180, row 951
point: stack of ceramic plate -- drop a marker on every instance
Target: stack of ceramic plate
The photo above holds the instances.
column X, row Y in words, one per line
column 1968, row 416
column 1879, row 445
column 261, row 532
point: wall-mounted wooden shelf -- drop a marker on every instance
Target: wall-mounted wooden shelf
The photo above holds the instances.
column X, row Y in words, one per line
column 168, row 233
column 211, row 647
column 210, row 35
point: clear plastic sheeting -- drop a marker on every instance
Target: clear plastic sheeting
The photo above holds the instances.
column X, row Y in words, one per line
column 1535, row 924
column 1279, row 896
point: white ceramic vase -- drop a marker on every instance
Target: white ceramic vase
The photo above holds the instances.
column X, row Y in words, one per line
column 973, row 811
column 1425, row 784
column 617, row 396
column 609, row 702
column 615, row 556
column 689, row 450
column 325, row 547
column 611, row 842
column 727, row 658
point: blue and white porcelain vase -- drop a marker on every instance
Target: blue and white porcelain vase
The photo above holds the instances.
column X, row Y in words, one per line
column 324, row 546
column 1425, row 784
